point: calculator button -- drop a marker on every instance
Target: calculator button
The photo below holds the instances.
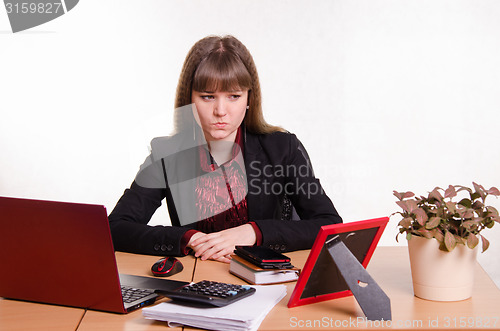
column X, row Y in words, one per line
column 209, row 292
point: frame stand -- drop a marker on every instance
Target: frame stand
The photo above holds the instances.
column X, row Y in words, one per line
column 375, row 304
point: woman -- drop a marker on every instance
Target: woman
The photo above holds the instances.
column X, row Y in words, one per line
column 227, row 175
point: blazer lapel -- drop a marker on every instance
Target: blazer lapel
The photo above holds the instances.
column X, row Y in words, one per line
column 253, row 167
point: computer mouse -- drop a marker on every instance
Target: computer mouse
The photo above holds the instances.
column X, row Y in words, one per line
column 166, row 267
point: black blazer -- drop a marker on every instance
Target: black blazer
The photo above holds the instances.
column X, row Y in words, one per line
column 276, row 165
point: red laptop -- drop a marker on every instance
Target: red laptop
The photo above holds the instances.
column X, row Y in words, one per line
column 62, row 253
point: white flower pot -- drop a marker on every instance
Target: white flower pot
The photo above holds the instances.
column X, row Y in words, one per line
column 439, row 275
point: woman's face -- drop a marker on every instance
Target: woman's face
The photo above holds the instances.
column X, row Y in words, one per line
column 220, row 113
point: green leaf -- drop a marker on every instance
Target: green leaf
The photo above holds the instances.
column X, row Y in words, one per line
column 485, row 242
column 442, row 247
column 472, row 240
column 449, row 241
column 475, row 196
column 408, row 236
column 465, row 202
column 432, row 223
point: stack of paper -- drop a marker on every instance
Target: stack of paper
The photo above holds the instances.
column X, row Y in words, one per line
column 245, row 314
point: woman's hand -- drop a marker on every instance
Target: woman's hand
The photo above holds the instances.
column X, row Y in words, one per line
column 220, row 245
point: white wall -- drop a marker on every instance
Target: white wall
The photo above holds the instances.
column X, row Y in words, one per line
column 384, row 95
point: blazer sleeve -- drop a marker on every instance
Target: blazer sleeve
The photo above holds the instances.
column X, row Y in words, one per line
column 312, row 204
column 129, row 219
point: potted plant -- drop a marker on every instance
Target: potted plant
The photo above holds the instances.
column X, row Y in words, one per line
column 443, row 231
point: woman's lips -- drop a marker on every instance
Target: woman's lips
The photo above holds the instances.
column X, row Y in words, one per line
column 220, row 125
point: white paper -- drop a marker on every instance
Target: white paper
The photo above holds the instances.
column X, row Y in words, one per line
column 245, row 314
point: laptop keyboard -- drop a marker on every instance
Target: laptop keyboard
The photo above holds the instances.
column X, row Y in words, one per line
column 131, row 294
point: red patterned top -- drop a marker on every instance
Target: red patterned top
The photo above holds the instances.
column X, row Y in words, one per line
column 221, row 194
column 221, row 191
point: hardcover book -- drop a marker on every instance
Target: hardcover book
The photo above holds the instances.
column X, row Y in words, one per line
column 256, row 275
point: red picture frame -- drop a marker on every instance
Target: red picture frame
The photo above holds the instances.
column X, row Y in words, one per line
column 320, row 279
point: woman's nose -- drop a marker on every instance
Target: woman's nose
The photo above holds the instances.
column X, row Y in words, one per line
column 220, row 108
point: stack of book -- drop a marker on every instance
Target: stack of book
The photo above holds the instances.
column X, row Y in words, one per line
column 256, row 275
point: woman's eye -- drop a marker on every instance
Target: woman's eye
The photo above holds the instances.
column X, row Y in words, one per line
column 235, row 97
column 207, row 97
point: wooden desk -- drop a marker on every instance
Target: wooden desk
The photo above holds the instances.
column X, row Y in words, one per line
column 390, row 267
column 25, row 316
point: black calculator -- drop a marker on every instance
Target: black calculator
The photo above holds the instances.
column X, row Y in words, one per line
column 209, row 293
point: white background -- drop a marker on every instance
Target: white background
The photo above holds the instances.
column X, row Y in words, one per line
column 385, row 95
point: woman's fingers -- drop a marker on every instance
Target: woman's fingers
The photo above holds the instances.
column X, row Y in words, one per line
column 220, row 245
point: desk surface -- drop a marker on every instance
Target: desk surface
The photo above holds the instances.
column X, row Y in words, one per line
column 389, row 267
column 24, row 316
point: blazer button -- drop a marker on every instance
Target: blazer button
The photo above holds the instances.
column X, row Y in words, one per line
column 282, row 248
column 163, row 248
column 170, row 247
column 277, row 247
column 157, row 247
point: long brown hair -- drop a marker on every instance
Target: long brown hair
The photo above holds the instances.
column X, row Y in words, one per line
column 222, row 64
